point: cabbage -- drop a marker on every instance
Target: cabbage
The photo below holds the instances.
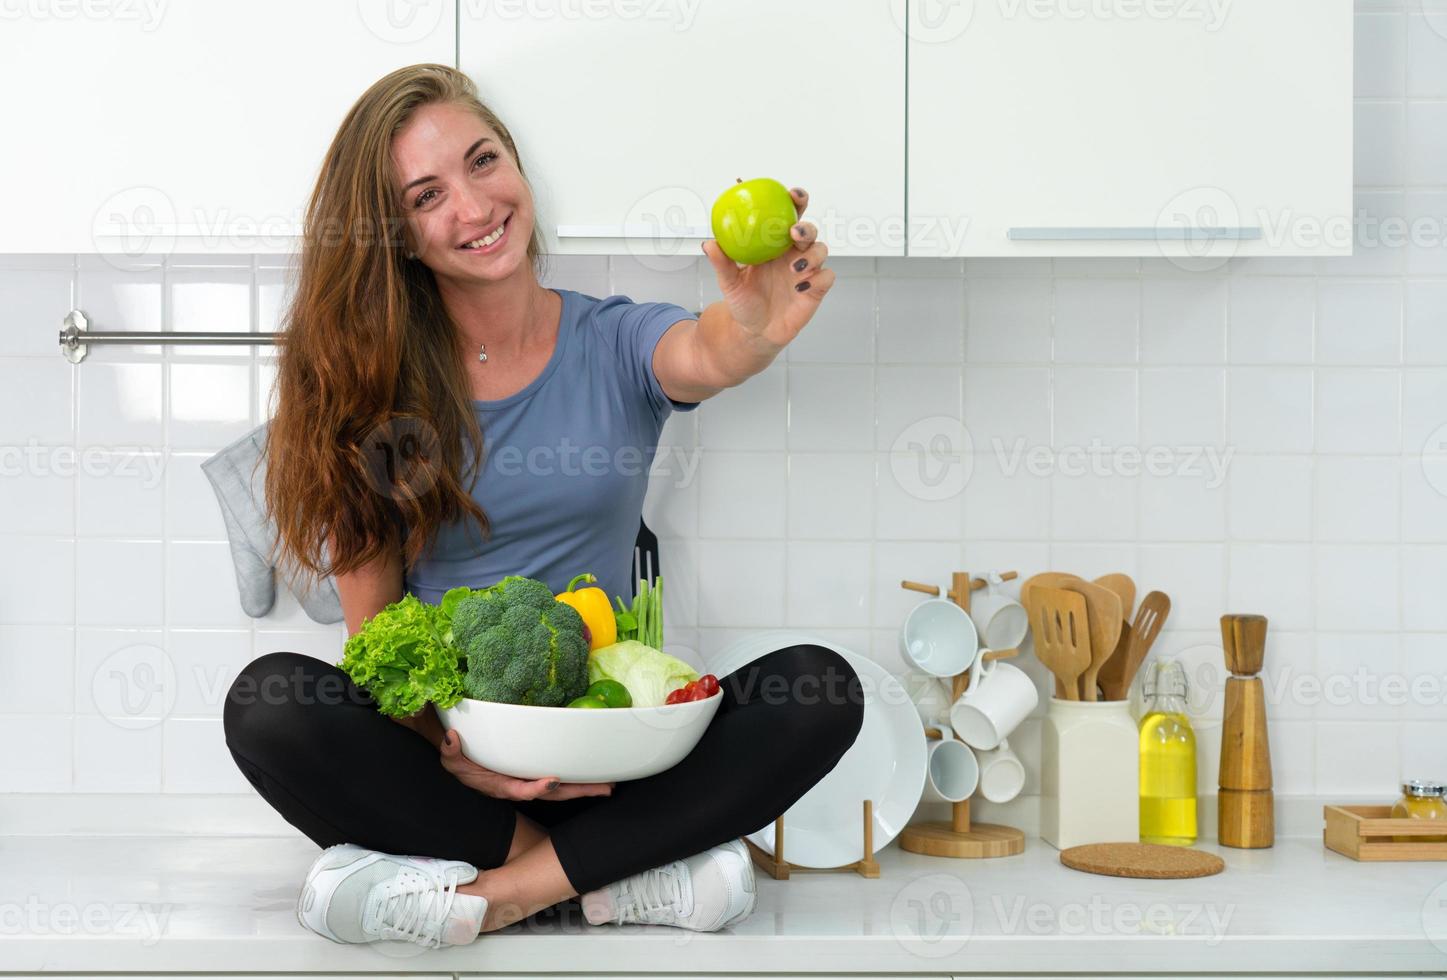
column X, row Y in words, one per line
column 650, row 675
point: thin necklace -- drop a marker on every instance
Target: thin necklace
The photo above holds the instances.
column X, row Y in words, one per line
column 482, row 352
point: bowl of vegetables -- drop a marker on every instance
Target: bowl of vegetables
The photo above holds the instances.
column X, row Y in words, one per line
column 537, row 684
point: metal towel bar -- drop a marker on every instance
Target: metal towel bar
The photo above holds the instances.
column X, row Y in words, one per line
column 76, row 337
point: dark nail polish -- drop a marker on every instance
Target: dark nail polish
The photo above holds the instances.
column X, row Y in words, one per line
column 552, row 784
column 799, row 266
column 798, row 191
column 446, row 739
column 802, row 286
column 799, row 230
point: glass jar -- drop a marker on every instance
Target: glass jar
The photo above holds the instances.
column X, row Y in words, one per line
column 1422, row 800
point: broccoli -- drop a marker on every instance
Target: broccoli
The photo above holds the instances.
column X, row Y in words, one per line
column 522, row 645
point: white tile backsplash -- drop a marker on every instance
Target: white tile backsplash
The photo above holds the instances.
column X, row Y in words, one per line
column 1270, row 436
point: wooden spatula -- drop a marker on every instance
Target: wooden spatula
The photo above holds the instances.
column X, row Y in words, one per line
column 1102, row 609
column 1062, row 636
column 1149, row 619
column 1048, row 580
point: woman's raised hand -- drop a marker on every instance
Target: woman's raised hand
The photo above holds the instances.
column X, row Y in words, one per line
column 767, row 299
column 490, row 783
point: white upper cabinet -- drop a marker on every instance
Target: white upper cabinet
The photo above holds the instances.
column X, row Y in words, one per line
column 631, row 118
column 1163, row 127
column 189, row 126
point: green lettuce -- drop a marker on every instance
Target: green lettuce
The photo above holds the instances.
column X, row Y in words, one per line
column 650, row 675
column 404, row 657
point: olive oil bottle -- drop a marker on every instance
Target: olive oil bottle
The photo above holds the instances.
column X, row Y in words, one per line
column 1168, row 760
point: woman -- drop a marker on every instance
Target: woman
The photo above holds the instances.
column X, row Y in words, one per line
column 419, row 317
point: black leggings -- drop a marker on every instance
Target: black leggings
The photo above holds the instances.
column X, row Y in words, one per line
column 316, row 749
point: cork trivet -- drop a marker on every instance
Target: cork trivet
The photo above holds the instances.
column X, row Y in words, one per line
column 1131, row 860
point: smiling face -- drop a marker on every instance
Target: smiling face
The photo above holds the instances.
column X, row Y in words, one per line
column 459, row 189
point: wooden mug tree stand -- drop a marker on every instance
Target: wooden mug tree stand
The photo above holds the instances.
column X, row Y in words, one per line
column 958, row 837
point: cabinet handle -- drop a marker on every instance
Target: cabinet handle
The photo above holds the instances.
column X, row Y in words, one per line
column 631, row 231
column 1131, row 234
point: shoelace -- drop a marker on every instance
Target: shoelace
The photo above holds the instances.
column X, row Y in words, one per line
column 659, row 890
column 414, row 901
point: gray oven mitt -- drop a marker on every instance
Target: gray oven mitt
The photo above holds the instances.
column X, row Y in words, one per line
column 238, row 482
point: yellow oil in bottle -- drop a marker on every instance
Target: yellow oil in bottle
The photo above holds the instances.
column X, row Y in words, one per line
column 1167, row 761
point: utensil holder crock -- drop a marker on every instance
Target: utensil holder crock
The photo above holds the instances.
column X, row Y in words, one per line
column 1089, row 773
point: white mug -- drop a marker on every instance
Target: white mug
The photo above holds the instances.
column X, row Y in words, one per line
column 1000, row 621
column 1001, row 774
column 951, row 772
column 999, row 697
column 938, row 638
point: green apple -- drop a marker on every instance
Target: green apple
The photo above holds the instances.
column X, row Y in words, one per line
column 751, row 220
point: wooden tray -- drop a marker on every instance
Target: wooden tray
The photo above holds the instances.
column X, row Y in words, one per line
column 1365, row 833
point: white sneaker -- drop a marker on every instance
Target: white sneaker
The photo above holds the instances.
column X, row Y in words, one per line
column 355, row 895
column 705, row 892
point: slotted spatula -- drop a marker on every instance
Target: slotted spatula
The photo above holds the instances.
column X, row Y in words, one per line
column 1121, row 669
column 1043, row 580
column 1062, row 636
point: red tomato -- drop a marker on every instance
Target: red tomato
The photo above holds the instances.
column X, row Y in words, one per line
column 675, row 697
column 697, row 694
column 709, row 683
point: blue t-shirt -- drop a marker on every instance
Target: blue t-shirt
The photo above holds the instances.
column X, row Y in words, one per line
column 566, row 458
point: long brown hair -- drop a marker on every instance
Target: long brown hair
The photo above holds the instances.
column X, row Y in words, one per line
column 365, row 450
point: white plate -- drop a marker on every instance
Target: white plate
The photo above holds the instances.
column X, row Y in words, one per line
column 825, row 828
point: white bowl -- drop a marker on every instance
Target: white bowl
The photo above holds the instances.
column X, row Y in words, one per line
column 579, row 745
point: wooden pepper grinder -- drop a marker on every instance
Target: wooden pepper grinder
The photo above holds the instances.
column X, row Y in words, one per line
column 1246, row 814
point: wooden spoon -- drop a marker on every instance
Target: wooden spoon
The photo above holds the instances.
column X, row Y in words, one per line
column 1124, row 586
column 1062, row 637
column 1102, row 607
column 1149, row 619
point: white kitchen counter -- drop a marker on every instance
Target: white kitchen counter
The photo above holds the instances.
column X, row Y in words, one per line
column 212, row 904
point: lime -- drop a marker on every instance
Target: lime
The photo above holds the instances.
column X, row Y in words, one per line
column 587, row 701
column 614, row 694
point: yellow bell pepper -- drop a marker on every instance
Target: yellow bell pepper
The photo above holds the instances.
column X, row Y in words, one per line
column 597, row 612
